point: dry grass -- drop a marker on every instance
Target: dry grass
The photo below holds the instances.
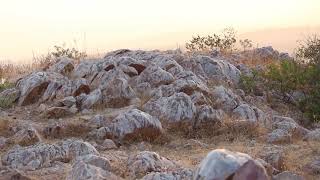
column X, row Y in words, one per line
column 4, row 127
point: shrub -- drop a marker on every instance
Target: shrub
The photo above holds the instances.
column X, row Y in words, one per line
column 284, row 78
column 302, row 75
column 51, row 58
column 224, row 42
column 6, row 101
column 249, row 82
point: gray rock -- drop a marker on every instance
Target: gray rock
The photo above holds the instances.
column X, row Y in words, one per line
column 225, row 99
column 287, row 175
column 92, row 99
column 313, row 135
column 248, row 113
column 181, row 174
column 36, row 85
column 63, row 66
column 274, row 156
column 131, row 124
column 67, row 101
column 279, row 136
column 118, row 93
column 173, row 109
column 222, row 164
column 207, row 115
column 92, row 170
column 155, row 76
column 145, row 162
column 219, row 69
column 42, row 155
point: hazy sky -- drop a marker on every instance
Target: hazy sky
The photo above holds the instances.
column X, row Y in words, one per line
column 29, row 26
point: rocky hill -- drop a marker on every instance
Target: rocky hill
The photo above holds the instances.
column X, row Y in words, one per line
column 151, row 115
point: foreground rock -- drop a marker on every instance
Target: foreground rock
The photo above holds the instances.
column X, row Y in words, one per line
column 224, row 164
column 145, row 162
column 42, row 155
column 91, row 167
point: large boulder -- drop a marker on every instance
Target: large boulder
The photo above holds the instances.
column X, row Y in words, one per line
column 34, row 86
column 225, row 99
column 248, row 113
column 118, row 93
column 172, row 109
column 216, row 69
column 131, row 124
column 155, row 76
column 224, row 164
column 42, row 155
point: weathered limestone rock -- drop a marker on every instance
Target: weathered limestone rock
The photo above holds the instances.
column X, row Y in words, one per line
column 225, row 99
column 63, row 66
column 207, row 115
column 131, row 124
column 248, row 113
column 118, row 93
column 223, row 164
column 42, row 155
column 155, row 76
column 91, row 167
column 145, row 162
column 173, row 109
column 92, row 99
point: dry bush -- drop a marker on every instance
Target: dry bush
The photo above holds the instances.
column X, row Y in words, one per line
column 4, row 127
column 229, row 130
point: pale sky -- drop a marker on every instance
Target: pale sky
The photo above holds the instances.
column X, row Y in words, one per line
column 34, row 26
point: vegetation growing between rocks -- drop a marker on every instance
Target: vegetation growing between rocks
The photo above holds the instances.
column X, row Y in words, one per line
column 293, row 81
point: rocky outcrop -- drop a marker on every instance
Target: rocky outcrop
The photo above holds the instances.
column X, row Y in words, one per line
column 224, row 164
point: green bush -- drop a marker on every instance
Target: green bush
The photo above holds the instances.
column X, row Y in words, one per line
column 284, row 78
column 7, row 101
column 249, row 83
column 302, row 75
